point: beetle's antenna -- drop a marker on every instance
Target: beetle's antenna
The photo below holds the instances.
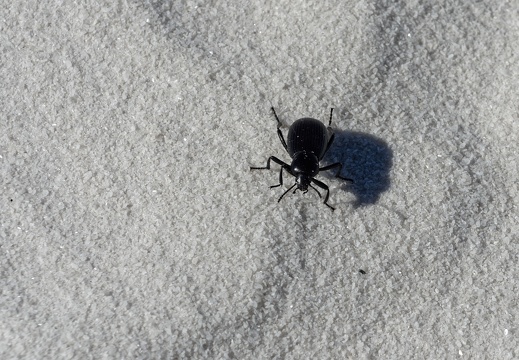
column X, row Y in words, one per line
column 317, row 191
column 281, row 197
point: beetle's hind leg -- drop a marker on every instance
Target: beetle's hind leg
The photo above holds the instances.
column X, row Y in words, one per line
column 330, row 142
column 331, row 114
column 280, row 134
column 330, row 133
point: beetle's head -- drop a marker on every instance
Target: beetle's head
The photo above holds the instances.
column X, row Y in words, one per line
column 305, row 165
column 302, row 182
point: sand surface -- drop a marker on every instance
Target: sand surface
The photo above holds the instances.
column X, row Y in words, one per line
column 131, row 226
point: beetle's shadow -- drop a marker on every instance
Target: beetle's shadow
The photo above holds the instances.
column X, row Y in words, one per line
column 366, row 159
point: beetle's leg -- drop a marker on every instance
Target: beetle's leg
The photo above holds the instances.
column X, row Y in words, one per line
column 283, row 164
column 330, row 142
column 276, row 116
column 330, row 132
column 280, row 179
column 338, row 174
column 280, row 134
column 281, row 176
column 324, row 187
column 273, row 158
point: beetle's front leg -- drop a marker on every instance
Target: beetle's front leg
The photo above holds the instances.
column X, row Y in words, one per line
column 327, row 189
column 272, row 158
column 280, row 178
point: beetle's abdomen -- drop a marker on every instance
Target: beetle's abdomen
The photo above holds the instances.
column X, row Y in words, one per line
column 308, row 135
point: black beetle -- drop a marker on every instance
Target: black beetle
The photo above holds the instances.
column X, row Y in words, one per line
column 308, row 142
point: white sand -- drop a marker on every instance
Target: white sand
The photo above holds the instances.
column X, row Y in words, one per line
column 131, row 226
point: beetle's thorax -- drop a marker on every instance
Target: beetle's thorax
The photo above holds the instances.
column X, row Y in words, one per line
column 305, row 163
